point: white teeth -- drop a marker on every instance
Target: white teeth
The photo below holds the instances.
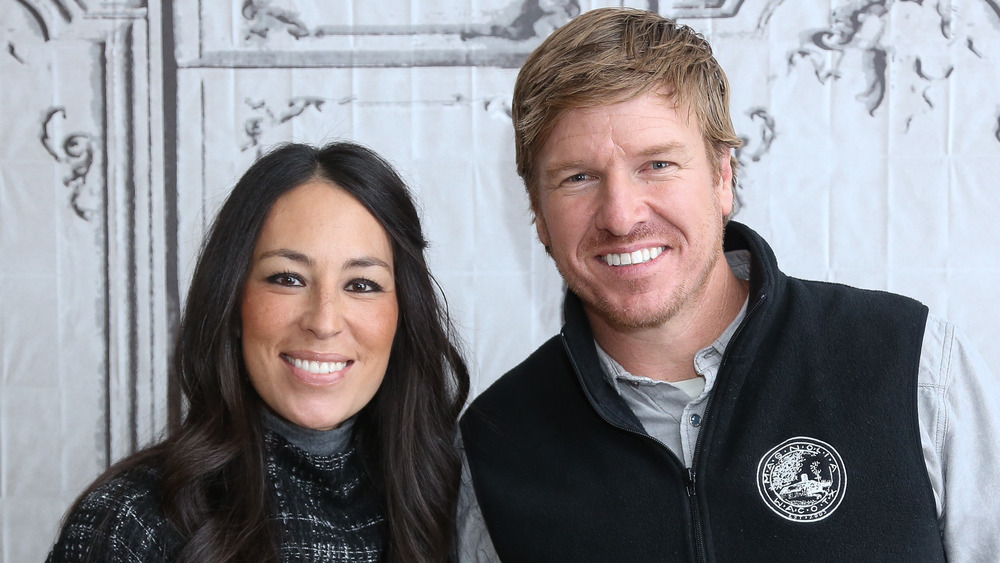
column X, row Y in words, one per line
column 631, row 258
column 320, row 368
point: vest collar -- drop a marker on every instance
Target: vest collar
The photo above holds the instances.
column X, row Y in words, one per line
column 766, row 282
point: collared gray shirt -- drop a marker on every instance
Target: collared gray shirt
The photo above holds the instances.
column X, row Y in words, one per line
column 672, row 412
column 958, row 407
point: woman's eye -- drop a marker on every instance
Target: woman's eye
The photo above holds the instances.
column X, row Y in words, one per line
column 363, row 286
column 286, row 279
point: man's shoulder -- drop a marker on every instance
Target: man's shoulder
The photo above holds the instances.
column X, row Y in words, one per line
column 526, row 387
column 548, row 356
column 840, row 294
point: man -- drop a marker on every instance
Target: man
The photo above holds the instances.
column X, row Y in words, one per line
column 699, row 404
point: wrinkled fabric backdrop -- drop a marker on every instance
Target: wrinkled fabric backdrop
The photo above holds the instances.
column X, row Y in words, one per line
column 872, row 156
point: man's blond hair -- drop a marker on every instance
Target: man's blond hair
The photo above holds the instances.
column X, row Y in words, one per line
column 612, row 55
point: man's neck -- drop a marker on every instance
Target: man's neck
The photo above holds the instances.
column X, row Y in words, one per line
column 666, row 352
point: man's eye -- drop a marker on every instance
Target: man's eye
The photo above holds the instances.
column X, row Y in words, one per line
column 581, row 177
column 363, row 286
column 286, row 279
column 659, row 165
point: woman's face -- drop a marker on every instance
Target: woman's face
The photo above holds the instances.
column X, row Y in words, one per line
column 319, row 308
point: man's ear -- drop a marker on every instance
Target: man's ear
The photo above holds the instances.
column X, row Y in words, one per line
column 542, row 229
column 725, row 187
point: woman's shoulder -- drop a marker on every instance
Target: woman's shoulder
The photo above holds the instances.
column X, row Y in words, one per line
column 121, row 519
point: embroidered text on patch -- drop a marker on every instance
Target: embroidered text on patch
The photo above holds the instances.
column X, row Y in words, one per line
column 802, row 479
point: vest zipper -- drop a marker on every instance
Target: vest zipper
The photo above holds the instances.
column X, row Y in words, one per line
column 699, row 533
column 690, row 481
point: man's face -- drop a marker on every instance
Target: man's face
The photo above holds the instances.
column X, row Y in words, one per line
column 631, row 208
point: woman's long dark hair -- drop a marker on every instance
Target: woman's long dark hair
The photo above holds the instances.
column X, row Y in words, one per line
column 214, row 488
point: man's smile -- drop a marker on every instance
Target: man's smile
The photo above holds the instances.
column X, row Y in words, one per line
column 640, row 256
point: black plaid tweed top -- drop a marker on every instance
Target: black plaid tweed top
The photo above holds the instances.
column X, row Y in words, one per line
column 321, row 503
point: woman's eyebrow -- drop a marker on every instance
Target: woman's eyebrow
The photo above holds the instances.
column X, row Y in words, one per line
column 361, row 262
column 287, row 254
column 366, row 262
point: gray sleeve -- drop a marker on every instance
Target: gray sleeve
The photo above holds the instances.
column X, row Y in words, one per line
column 473, row 542
column 959, row 415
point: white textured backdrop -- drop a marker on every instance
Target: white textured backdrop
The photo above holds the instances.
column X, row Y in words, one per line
column 873, row 149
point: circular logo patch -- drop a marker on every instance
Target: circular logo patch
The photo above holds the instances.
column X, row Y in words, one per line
column 802, row 479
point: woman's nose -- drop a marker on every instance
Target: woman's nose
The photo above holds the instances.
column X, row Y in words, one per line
column 324, row 315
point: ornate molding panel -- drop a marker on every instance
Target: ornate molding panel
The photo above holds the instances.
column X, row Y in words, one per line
column 271, row 33
column 864, row 30
column 138, row 317
column 697, row 9
column 105, row 136
column 50, row 15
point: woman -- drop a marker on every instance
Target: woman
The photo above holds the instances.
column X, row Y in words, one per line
column 321, row 385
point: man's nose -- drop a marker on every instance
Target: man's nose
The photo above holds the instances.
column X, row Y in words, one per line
column 622, row 205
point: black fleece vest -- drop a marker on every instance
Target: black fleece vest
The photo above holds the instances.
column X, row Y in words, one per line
column 809, row 449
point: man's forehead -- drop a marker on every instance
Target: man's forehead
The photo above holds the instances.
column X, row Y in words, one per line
column 639, row 123
column 658, row 98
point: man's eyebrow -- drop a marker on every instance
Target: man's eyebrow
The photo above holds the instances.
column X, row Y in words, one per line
column 666, row 148
column 287, row 254
column 670, row 148
column 560, row 167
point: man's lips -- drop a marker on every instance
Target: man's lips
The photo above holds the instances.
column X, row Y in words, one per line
column 640, row 256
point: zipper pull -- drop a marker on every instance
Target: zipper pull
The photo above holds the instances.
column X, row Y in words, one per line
column 690, row 482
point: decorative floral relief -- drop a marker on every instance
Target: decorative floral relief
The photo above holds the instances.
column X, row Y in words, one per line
column 75, row 151
column 262, row 17
column 255, row 127
column 756, row 147
column 12, row 51
column 521, row 20
column 528, row 20
column 860, row 27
